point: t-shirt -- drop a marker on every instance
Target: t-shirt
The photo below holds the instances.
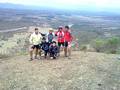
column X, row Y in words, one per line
column 60, row 36
column 67, row 37
column 50, row 37
column 35, row 39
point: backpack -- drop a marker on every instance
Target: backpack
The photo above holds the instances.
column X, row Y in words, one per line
column 50, row 37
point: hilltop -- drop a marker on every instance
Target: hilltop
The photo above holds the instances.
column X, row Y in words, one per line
column 85, row 71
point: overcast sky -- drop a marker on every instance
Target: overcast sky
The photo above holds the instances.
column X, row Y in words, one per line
column 101, row 4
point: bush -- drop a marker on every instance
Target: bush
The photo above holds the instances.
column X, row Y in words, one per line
column 110, row 45
column 83, row 47
column 3, row 56
column 118, row 51
column 99, row 45
column 113, row 44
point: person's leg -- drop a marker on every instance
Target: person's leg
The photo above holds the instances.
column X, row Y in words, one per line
column 45, row 53
column 54, row 55
column 50, row 55
column 65, row 48
column 31, row 49
column 62, row 44
column 36, row 53
column 31, row 54
column 39, row 52
column 65, row 51
column 59, row 46
column 69, row 50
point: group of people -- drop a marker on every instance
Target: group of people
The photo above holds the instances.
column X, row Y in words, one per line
column 49, row 45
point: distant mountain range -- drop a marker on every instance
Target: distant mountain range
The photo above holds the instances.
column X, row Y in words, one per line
column 24, row 7
column 89, row 10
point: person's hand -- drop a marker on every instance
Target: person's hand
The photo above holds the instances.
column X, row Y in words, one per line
column 31, row 47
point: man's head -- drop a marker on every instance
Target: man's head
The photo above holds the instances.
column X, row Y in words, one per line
column 54, row 43
column 50, row 31
column 44, row 39
column 67, row 28
column 36, row 31
column 60, row 28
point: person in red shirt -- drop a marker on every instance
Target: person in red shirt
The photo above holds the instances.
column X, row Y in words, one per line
column 60, row 37
column 67, row 41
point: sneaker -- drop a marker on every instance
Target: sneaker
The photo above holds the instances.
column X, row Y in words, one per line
column 51, row 57
column 54, row 57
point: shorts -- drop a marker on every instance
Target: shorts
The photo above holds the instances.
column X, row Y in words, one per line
column 36, row 46
column 60, row 44
column 67, row 44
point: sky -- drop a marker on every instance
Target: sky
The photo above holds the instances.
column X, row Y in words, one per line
column 98, row 4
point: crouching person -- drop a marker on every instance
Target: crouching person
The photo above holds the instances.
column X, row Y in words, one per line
column 35, row 40
column 53, row 50
column 45, row 47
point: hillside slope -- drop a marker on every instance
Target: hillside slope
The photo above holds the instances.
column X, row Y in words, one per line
column 85, row 71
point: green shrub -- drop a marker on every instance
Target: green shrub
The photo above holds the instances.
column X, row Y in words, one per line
column 3, row 56
column 110, row 45
column 83, row 47
column 99, row 45
column 113, row 44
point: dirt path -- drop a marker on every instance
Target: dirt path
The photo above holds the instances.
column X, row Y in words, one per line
column 85, row 71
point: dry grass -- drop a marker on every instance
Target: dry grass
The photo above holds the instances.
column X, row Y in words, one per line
column 85, row 71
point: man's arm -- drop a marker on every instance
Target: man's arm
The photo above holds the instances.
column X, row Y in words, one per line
column 31, row 39
column 71, row 37
column 43, row 34
column 56, row 33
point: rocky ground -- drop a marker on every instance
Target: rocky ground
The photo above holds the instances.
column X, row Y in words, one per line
column 84, row 71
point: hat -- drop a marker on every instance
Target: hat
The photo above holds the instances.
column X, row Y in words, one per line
column 51, row 30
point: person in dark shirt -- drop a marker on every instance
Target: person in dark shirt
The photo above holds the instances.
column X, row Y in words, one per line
column 53, row 50
column 45, row 47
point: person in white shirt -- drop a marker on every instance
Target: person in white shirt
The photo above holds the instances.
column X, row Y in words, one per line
column 35, row 41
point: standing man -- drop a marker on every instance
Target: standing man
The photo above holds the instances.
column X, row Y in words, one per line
column 68, row 39
column 60, row 37
column 35, row 40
